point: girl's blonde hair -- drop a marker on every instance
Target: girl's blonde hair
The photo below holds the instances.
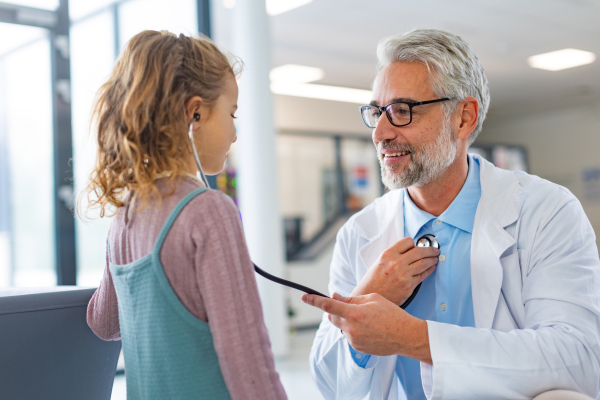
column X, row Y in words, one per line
column 140, row 113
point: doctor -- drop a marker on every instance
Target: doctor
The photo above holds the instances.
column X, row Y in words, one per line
column 509, row 305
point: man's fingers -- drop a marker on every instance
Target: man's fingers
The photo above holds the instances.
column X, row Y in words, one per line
column 339, row 297
column 330, row 306
column 423, row 275
column 402, row 245
column 315, row 301
column 422, row 265
column 336, row 321
column 419, row 253
column 351, row 299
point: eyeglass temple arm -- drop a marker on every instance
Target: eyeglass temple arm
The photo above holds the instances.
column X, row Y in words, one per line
column 427, row 102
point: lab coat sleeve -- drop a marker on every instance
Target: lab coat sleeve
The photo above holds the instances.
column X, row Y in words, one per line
column 558, row 346
column 336, row 374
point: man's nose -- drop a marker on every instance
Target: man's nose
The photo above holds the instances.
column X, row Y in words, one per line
column 384, row 130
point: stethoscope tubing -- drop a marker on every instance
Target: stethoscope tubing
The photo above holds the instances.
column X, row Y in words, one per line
column 202, row 176
column 411, row 298
column 256, row 268
column 284, row 282
column 429, row 239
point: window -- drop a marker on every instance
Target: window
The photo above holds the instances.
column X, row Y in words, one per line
column 26, row 144
column 92, row 59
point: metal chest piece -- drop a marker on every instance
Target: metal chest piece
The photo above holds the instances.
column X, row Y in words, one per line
column 423, row 241
column 428, row 241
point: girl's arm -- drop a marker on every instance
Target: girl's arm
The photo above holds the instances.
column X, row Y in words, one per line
column 226, row 279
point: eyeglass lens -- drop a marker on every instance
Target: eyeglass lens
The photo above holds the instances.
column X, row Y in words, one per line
column 399, row 113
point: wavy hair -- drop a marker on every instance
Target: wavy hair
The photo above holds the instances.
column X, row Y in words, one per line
column 140, row 114
column 455, row 70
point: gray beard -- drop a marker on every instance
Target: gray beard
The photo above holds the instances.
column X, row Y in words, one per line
column 425, row 166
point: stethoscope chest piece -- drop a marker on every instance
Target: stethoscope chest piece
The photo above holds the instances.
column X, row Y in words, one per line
column 428, row 241
column 423, row 241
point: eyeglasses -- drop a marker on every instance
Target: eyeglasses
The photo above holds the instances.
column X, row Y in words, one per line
column 399, row 114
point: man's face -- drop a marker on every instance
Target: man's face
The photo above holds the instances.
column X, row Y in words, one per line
column 418, row 153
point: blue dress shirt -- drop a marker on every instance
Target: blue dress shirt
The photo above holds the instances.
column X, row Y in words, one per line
column 445, row 295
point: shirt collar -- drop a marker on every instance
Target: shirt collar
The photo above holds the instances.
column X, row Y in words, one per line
column 414, row 217
column 460, row 213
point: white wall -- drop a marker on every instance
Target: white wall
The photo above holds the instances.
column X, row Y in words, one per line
column 314, row 274
column 301, row 162
column 561, row 143
column 298, row 113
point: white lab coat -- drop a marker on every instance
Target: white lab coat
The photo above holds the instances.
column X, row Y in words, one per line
column 535, row 277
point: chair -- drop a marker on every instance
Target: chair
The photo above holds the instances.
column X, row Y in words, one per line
column 47, row 350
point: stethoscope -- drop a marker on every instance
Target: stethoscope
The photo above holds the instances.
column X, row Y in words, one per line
column 423, row 241
column 260, row 271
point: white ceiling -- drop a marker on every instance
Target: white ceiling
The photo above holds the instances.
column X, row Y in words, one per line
column 340, row 36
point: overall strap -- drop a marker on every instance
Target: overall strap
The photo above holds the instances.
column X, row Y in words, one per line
column 172, row 217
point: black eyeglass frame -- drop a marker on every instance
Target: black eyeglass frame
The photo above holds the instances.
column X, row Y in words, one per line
column 384, row 109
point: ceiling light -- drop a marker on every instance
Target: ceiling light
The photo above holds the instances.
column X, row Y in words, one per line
column 291, row 73
column 275, row 7
column 323, row 92
column 561, row 59
column 293, row 80
column 229, row 3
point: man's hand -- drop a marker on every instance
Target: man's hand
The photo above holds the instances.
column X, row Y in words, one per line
column 398, row 271
column 374, row 325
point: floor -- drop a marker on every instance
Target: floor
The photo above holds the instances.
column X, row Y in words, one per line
column 293, row 371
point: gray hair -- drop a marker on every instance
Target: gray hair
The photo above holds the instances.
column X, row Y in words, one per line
column 455, row 70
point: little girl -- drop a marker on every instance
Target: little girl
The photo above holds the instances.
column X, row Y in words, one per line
column 179, row 287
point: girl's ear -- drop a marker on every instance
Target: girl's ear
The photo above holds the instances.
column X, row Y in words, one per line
column 193, row 107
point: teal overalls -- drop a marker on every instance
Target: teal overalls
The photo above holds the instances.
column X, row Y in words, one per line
column 169, row 353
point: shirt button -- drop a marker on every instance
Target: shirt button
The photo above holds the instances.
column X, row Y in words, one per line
column 442, row 307
column 442, row 257
column 437, row 221
column 359, row 356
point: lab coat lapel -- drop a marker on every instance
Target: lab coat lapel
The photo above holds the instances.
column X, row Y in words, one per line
column 499, row 207
column 382, row 227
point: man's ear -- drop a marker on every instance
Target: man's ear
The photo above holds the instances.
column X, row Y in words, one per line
column 192, row 107
column 469, row 115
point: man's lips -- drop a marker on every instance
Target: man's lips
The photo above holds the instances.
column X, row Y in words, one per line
column 391, row 156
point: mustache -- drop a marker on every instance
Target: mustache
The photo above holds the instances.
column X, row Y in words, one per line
column 395, row 146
